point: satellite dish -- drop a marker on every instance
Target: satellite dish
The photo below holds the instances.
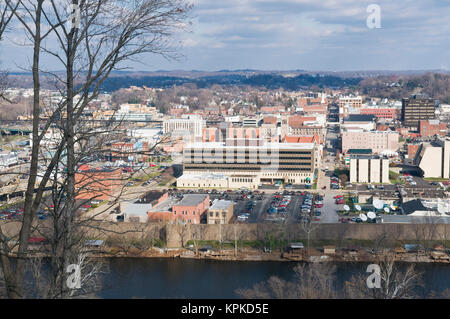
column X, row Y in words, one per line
column 371, row 215
column 442, row 209
column 346, row 208
column 387, row 210
column 378, row 204
column 363, row 217
column 358, row 208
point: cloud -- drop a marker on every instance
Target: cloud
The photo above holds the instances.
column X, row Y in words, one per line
column 315, row 35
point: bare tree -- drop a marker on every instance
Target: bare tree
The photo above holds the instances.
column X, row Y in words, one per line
column 6, row 14
column 396, row 283
column 107, row 34
column 311, row 281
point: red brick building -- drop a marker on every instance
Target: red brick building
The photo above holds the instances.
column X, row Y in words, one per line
column 385, row 113
column 431, row 128
column 412, row 150
column 191, row 209
column 98, row 184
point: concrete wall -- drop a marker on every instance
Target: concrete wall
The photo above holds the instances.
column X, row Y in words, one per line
column 431, row 162
column 385, row 171
column 363, row 171
column 353, row 171
column 173, row 234
column 395, row 232
column 375, row 170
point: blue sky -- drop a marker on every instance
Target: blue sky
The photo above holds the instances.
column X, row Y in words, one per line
column 321, row 35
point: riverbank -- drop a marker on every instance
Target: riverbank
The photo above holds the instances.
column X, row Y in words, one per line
column 311, row 255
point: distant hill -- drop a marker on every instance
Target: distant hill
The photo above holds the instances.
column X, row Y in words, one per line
column 435, row 85
column 376, row 83
column 269, row 81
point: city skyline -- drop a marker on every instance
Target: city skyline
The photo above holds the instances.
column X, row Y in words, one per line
column 294, row 35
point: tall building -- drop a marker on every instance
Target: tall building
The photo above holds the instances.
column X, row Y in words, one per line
column 417, row 108
column 368, row 169
column 377, row 141
column 349, row 105
column 434, row 158
column 250, row 162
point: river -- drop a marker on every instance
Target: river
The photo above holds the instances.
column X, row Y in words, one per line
column 185, row 278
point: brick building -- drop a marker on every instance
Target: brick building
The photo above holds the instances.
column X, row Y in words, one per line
column 381, row 113
column 191, row 209
column 431, row 128
column 98, row 184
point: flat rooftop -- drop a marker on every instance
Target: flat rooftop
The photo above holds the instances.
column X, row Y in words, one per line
column 165, row 206
column 191, row 200
column 221, row 205
column 201, row 177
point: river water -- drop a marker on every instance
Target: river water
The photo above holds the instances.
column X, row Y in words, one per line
column 185, row 278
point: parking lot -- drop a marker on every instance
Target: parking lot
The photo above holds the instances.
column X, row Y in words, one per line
column 279, row 207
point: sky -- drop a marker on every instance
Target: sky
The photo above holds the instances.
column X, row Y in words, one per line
column 315, row 35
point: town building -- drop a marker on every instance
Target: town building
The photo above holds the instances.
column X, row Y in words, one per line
column 429, row 128
column 221, row 212
column 377, row 141
column 415, row 109
column 98, row 184
column 7, row 160
column 380, row 112
column 433, row 158
column 359, row 121
column 187, row 126
column 369, row 169
column 205, row 180
column 349, row 105
column 189, row 210
column 251, row 162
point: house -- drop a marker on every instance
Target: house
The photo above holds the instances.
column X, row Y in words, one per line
column 221, row 212
column 191, row 209
column 135, row 212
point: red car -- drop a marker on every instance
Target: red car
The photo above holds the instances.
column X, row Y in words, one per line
column 338, row 196
column 318, row 205
column 340, row 202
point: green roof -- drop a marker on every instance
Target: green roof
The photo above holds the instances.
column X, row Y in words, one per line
column 360, row 151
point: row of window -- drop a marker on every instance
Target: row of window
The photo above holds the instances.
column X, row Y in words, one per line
column 242, row 180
